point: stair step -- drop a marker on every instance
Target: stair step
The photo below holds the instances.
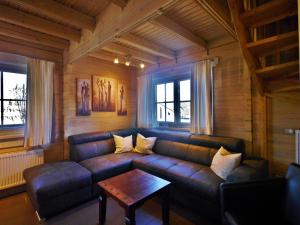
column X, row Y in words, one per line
column 295, row 87
column 277, row 70
column 270, row 44
column 269, row 12
column 284, row 85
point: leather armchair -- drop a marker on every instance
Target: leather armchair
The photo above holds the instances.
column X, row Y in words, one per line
column 269, row 201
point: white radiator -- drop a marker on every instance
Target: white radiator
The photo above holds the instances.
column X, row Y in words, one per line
column 297, row 133
column 13, row 164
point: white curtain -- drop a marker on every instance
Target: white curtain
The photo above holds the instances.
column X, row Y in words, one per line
column 39, row 102
column 145, row 101
column 202, row 102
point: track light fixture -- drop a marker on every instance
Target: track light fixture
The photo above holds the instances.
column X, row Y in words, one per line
column 127, row 60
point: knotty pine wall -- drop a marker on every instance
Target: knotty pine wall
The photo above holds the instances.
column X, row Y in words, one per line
column 98, row 121
column 241, row 112
column 232, row 96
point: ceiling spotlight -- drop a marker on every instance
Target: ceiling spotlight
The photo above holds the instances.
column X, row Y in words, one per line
column 127, row 60
column 116, row 60
column 142, row 65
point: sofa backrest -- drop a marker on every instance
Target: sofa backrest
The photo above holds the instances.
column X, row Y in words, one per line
column 178, row 144
column 195, row 148
column 89, row 145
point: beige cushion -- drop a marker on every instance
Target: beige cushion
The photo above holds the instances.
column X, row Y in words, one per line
column 144, row 145
column 123, row 144
column 224, row 162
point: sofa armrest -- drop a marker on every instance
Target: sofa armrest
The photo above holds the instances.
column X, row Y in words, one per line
column 250, row 169
column 230, row 219
column 248, row 200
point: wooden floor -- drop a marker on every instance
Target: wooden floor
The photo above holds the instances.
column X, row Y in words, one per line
column 17, row 210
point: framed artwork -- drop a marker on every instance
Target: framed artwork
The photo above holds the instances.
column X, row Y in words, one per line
column 104, row 94
column 83, row 97
column 122, row 99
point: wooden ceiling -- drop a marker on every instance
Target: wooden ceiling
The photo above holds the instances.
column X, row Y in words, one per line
column 144, row 31
column 63, row 24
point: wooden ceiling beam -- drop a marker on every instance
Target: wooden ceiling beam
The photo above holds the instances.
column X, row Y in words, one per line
column 14, row 31
column 120, row 3
column 220, row 13
column 123, row 22
column 33, row 51
column 244, row 37
column 108, row 56
column 59, row 12
column 136, row 54
column 146, row 46
column 22, row 19
column 269, row 12
column 165, row 22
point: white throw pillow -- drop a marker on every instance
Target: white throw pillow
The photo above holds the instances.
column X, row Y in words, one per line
column 144, row 145
column 224, row 162
column 123, row 144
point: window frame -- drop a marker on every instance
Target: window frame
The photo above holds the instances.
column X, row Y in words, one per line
column 176, row 80
column 9, row 69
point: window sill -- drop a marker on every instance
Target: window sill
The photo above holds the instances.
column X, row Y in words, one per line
column 14, row 149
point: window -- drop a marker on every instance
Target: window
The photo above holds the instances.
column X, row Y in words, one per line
column 12, row 97
column 173, row 103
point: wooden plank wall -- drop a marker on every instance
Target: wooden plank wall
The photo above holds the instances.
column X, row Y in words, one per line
column 98, row 121
column 232, row 96
column 283, row 113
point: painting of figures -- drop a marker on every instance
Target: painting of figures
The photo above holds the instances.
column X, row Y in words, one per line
column 104, row 91
column 83, row 99
column 122, row 100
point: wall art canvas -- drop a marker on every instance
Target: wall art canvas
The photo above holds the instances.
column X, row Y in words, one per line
column 122, row 99
column 83, row 97
column 104, row 94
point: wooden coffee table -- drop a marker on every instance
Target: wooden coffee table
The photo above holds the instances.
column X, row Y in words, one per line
column 131, row 190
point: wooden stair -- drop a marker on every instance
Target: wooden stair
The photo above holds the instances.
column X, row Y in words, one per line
column 269, row 12
column 283, row 85
column 267, row 45
column 254, row 51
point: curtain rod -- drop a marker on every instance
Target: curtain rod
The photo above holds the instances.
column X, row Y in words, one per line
column 215, row 60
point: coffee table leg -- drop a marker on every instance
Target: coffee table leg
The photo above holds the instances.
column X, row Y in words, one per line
column 102, row 208
column 130, row 216
column 165, row 206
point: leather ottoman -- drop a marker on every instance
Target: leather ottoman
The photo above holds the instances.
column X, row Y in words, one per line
column 54, row 187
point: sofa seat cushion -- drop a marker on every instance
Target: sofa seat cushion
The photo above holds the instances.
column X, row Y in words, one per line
column 184, row 174
column 54, row 179
column 109, row 165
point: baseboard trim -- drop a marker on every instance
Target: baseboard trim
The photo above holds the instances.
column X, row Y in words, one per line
column 12, row 191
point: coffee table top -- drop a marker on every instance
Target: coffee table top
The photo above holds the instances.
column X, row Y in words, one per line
column 132, row 187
